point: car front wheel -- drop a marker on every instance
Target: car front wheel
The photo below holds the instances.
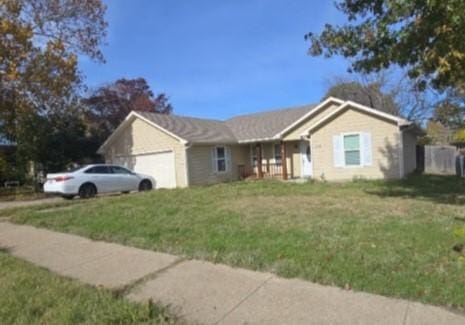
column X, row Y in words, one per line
column 87, row 191
column 145, row 185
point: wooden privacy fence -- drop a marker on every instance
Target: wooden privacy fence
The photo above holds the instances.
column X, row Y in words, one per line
column 441, row 160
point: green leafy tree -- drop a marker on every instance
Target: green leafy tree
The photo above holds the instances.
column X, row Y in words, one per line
column 450, row 112
column 58, row 140
column 424, row 36
column 40, row 41
column 437, row 134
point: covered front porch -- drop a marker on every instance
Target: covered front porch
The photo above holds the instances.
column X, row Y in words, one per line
column 278, row 159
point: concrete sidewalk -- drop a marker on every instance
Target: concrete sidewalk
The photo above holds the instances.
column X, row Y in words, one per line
column 210, row 293
column 21, row 204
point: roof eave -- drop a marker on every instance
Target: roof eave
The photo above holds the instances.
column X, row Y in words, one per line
column 269, row 139
column 229, row 142
column 411, row 126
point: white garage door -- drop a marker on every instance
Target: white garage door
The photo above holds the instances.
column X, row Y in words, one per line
column 158, row 165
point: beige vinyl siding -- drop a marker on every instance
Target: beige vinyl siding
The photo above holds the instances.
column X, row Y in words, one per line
column 201, row 169
column 410, row 152
column 296, row 132
column 385, row 138
column 139, row 137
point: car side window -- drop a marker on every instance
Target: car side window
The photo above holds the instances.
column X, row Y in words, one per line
column 120, row 170
column 98, row 170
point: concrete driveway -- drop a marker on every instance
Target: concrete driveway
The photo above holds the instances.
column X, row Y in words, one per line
column 49, row 200
column 19, row 204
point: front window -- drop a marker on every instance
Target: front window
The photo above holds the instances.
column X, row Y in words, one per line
column 220, row 159
column 277, row 153
column 352, row 150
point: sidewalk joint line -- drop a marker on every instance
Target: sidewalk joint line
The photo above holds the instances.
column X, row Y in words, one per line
column 406, row 313
column 244, row 299
column 126, row 289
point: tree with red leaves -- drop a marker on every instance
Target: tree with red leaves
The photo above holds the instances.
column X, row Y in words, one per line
column 107, row 106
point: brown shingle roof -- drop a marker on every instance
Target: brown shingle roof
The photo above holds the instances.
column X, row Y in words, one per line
column 265, row 125
column 248, row 127
column 192, row 129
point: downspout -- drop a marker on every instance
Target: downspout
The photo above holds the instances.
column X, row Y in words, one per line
column 187, row 146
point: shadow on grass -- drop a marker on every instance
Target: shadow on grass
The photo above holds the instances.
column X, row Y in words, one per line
column 5, row 250
column 438, row 189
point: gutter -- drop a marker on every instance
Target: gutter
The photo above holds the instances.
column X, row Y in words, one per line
column 277, row 137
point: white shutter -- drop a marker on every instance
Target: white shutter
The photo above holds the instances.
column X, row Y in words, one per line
column 338, row 151
column 214, row 164
column 366, row 149
column 228, row 158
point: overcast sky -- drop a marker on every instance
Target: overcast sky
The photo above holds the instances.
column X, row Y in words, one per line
column 217, row 59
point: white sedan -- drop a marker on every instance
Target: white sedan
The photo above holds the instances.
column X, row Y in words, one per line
column 89, row 180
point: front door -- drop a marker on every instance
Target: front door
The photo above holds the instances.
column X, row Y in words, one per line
column 306, row 157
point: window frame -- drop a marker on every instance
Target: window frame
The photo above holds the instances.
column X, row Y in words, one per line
column 360, row 149
column 217, row 159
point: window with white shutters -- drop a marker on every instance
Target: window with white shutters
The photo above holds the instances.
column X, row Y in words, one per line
column 352, row 150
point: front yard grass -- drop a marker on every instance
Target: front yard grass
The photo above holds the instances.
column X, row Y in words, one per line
column 32, row 295
column 390, row 238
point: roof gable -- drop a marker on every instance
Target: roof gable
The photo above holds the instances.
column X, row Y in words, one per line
column 127, row 121
column 324, row 104
column 352, row 105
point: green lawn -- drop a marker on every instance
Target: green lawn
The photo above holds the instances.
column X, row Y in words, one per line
column 390, row 238
column 32, row 295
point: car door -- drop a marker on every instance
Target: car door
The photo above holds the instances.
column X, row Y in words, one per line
column 125, row 179
column 101, row 177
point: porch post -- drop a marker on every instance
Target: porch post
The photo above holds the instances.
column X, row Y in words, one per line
column 259, row 160
column 283, row 160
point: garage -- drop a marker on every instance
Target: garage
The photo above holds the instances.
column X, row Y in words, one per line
column 159, row 165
